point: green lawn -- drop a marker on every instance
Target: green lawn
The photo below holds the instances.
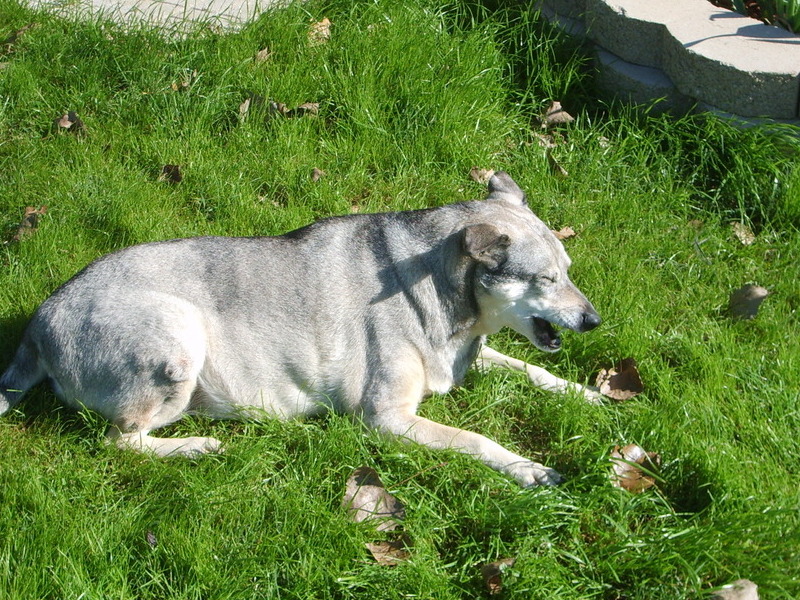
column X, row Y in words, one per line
column 411, row 96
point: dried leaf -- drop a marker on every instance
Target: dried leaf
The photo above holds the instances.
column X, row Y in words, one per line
column 307, row 109
column 556, row 168
column 390, row 553
column 555, row 115
column 366, row 499
column 185, row 82
column 262, row 56
column 151, row 539
column 70, row 122
column 481, row 176
column 492, row 574
column 14, row 37
column 696, row 224
column 317, row 174
column 743, row 233
column 622, row 382
column 545, row 140
column 604, row 142
column 171, row 174
column 565, row 233
column 627, row 471
column 745, row 301
column 29, row 223
column 320, row 32
column 741, row 589
column 244, row 109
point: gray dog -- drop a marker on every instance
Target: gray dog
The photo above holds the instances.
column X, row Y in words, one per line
column 363, row 314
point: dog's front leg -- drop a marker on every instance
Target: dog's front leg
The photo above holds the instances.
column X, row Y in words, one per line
column 541, row 378
column 435, row 435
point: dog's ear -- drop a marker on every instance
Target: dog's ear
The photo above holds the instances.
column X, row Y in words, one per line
column 502, row 187
column 486, row 244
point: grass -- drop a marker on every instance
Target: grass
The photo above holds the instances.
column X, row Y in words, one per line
column 411, row 97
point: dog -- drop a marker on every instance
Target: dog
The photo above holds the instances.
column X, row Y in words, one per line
column 359, row 314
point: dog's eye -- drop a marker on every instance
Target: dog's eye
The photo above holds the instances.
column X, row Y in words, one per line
column 548, row 278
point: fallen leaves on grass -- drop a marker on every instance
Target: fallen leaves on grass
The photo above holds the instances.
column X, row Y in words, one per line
column 565, row 233
column 29, row 223
column 317, row 174
column 152, row 541
column 492, row 574
column 743, row 233
column 262, row 56
column 555, row 166
column 185, row 81
column 481, row 176
column 555, row 115
column 320, row 32
column 633, row 468
column 390, row 553
column 171, row 174
column 622, row 382
column 71, row 122
column 745, row 302
column 7, row 44
column 255, row 103
column 366, row 499
column 741, row 589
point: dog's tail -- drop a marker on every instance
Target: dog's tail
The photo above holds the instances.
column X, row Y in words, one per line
column 21, row 375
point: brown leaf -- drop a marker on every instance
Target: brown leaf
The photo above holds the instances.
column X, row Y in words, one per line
column 745, row 301
column 320, row 32
column 492, row 574
column 317, row 174
column 14, row 37
column 29, row 223
column 70, row 122
column 390, row 553
column 307, row 109
column 743, row 233
column 171, row 174
column 151, row 539
column 622, row 382
column 481, row 176
column 185, row 82
column 366, row 499
column 627, row 466
column 565, row 233
column 555, row 115
column 545, row 140
column 555, row 167
column 262, row 56
column 741, row 589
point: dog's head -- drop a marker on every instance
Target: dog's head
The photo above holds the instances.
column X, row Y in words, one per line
column 521, row 274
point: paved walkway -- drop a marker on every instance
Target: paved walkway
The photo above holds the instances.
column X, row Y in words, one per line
column 165, row 12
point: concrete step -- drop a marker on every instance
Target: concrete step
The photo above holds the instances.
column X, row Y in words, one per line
column 712, row 57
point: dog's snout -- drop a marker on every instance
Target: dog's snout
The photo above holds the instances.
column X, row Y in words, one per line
column 590, row 320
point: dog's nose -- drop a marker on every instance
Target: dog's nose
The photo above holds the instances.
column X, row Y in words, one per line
column 590, row 320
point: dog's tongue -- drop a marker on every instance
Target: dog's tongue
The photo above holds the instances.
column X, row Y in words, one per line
column 546, row 334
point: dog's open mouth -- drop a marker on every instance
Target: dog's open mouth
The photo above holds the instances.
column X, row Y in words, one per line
column 545, row 336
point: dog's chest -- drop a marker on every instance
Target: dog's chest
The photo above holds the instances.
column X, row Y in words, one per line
column 450, row 366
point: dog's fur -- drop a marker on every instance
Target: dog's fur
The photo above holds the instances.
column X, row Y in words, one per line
column 364, row 314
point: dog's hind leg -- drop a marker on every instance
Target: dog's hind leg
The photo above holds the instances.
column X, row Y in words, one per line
column 21, row 375
column 538, row 376
column 131, row 428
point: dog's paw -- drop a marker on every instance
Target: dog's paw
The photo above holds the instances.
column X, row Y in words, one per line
column 194, row 447
column 530, row 474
